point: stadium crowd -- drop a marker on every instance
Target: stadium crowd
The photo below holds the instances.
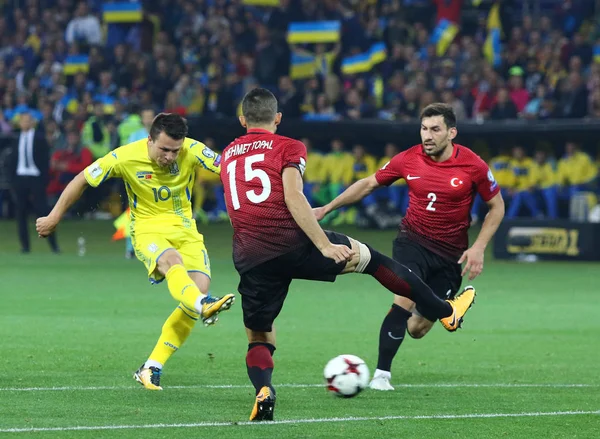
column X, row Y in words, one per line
column 93, row 84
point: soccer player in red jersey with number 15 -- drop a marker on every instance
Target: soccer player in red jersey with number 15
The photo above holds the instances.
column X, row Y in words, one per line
column 276, row 239
column 443, row 179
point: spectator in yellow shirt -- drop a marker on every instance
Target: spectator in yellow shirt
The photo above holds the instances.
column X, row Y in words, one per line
column 576, row 171
column 524, row 171
column 337, row 172
column 545, row 182
column 500, row 166
column 363, row 165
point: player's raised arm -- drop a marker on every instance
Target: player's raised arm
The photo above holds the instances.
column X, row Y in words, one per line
column 95, row 174
column 355, row 192
column 300, row 209
column 46, row 225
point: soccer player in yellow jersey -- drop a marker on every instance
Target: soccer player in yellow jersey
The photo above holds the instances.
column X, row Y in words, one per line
column 159, row 175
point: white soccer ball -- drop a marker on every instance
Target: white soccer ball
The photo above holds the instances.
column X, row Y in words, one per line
column 346, row 375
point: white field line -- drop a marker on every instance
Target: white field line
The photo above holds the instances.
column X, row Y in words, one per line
column 299, row 421
column 300, row 386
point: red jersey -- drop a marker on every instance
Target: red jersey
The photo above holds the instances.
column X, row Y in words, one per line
column 251, row 172
column 440, row 196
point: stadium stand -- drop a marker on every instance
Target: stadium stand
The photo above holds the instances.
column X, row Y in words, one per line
column 85, row 71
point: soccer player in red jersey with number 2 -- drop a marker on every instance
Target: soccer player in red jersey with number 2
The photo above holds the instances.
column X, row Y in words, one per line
column 276, row 238
column 443, row 178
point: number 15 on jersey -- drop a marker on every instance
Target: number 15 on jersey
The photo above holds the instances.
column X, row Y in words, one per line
column 249, row 175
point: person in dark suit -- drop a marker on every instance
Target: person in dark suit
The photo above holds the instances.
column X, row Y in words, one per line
column 29, row 166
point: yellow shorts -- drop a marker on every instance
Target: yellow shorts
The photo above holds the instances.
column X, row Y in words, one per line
column 149, row 246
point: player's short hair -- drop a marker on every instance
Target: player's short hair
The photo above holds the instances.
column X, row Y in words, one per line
column 173, row 125
column 440, row 109
column 259, row 107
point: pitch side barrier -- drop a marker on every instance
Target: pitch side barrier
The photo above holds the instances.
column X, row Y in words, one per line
column 531, row 240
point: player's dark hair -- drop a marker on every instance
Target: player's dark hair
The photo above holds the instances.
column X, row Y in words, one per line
column 259, row 107
column 173, row 125
column 440, row 109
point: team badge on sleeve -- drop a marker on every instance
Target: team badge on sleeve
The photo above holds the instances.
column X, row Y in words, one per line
column 95, row 170
column 302, row 166
column 208, row 153
column 492, row 180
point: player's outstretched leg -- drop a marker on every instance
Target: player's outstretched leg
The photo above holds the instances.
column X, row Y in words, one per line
column 174, row 333
column 401, row 281
column 182, row 288
column 259, row 364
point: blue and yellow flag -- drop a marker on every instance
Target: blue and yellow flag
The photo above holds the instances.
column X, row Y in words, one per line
column 75, row 64
column 314, row 32
column 364, row 62
column 443, row 35
column 108, row 102
column 302, row 66
column 273, row 3
column 492, row 46
column 122, row 12
column 597, row 53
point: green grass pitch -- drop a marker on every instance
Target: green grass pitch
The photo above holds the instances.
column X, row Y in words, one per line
column 73, row 329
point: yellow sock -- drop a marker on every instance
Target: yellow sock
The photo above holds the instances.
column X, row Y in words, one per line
column 182, row 288
column 175, row 331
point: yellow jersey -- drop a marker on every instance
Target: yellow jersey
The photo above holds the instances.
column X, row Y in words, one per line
column 545, row 175
column 363, row 168
column 576, row 169
column 524, row 172
column 337, row 168
column 314, row 170
column 208, row 177
column 158, row 196
column 384, row 161
column 503, row 173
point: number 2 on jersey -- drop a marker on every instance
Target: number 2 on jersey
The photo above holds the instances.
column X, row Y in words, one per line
column 432, row 197
column 249, row 174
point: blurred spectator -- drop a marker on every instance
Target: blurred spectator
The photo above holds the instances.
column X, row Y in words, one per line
column 504, row 108
column 83, row 27
column 546, row 180
column 576, row 171
column 524, row 171
column 95, row 133
column 66, row 163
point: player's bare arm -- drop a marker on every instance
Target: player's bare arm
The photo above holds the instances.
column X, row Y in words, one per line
column 474, row 255
column 46, row 225
column 300, row 209
column 356, row 192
